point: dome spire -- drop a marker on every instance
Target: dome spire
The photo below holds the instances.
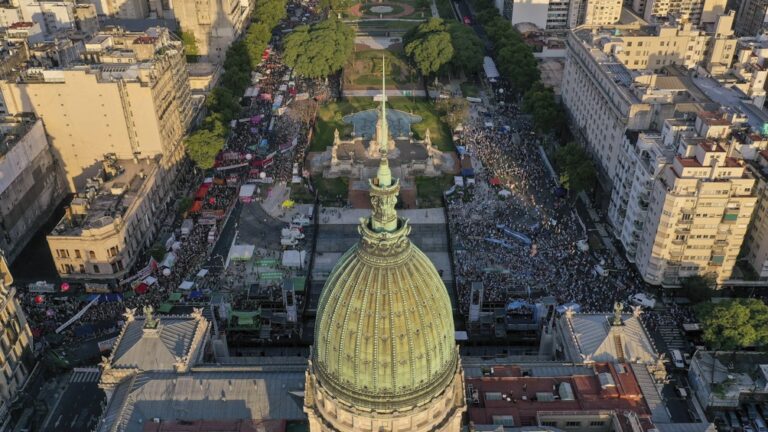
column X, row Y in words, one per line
column 383, row 189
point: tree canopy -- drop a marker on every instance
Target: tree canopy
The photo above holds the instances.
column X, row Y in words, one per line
column 548, row 115
column 337, row 5
column 453, row 111
column 429, row 47
column 576, row 168
column 468, row 51
column 319, row 50
column 734, row 324
column 269, row 12
column 203, row 146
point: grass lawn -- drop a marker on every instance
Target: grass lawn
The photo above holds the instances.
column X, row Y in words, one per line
column 301, row 194
column 364, row 70
column 469, row 89
column 329, row 117
column 384, row 26
column 429, row 190
column 332, row 191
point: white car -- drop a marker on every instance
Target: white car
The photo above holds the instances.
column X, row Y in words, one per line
column 644, row 300
column 291, row 234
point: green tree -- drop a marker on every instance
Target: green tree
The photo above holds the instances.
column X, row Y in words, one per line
column 319, row 50
column 429, row 47
column 468, row 49
column 270, row 12
column 539, row 101
column 337, row 5
column 734, row 324
column 576, row 168
column 698, row 288
column 190, row 46
column 453, row 111
column 517, row 64
column 203, row 146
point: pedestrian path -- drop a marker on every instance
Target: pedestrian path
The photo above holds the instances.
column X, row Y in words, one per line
column 85, row 376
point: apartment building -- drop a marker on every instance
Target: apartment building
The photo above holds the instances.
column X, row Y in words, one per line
column 32, row 183
column 696, row 12
column 129, row 96
column 16, row 360
column 215, row 24
column 594, row 12
column 751, row 18
column 544, row 14
column 748, row 72
column 111, row 220
column 124, row 9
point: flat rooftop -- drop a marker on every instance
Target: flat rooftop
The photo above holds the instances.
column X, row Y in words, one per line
column 106, row 198
column 11, row 132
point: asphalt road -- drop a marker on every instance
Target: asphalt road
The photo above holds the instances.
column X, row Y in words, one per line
column 80, row 406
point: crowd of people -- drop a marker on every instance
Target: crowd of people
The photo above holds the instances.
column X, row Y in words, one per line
column 526, row 242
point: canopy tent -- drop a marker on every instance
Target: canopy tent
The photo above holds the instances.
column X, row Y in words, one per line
column 174, row 297
column 489, row 67
column 246, row 191
column 169, row 260
column 246, row 319
column 202, row 273
column 241, row 252
column 141, row 288
column 195, row 294
column 150, row 280
column 299, row 282
column 186, row 285
column 165, row 308
column 293, row 258
column 495, row 181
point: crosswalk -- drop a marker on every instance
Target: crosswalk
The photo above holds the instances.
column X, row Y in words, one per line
column 670, row 333
column 85, row 376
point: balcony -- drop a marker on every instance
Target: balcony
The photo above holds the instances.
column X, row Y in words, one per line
column 682, row 230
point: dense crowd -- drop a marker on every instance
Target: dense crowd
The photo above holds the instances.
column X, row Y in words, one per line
column 492, row 228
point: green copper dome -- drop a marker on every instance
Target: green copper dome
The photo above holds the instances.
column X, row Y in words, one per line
column 384, row 336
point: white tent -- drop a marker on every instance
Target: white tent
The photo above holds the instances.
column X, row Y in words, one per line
column 169, row 260
column 149, row 280
column 293, row 258
column 490, row 68
column 186, row 285
column 241, row 252
column 247, row 190
column 202, row 273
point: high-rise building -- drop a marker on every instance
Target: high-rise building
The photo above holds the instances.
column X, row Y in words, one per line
column 750, row 21
column 544, row 14
column 215, row 24
column 385, row 356
column 688, row 203
column 32, row 184
column 16, row 357
column 696, row 12
column 594, row 12
column 130, row 96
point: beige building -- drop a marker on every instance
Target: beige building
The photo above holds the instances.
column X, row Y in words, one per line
column 594, row 12
column 696, row 12
column 16, row 360
column 699, row 208
column 130, row 97
column 756, row 242
column 215, row 24
column 31, row 185
column 111, row 220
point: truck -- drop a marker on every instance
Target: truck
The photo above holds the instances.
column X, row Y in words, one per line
column 288, row 242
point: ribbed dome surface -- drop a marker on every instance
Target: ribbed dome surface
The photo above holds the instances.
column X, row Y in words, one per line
column 384, row 334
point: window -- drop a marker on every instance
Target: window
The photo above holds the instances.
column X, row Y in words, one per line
column 493, row 396
column 504, row 420
column 96, row 269
column 549, row 423
column 113, row 251
column 91, row 254
column 77, row 254
column 597, row 423
column 573, row 424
